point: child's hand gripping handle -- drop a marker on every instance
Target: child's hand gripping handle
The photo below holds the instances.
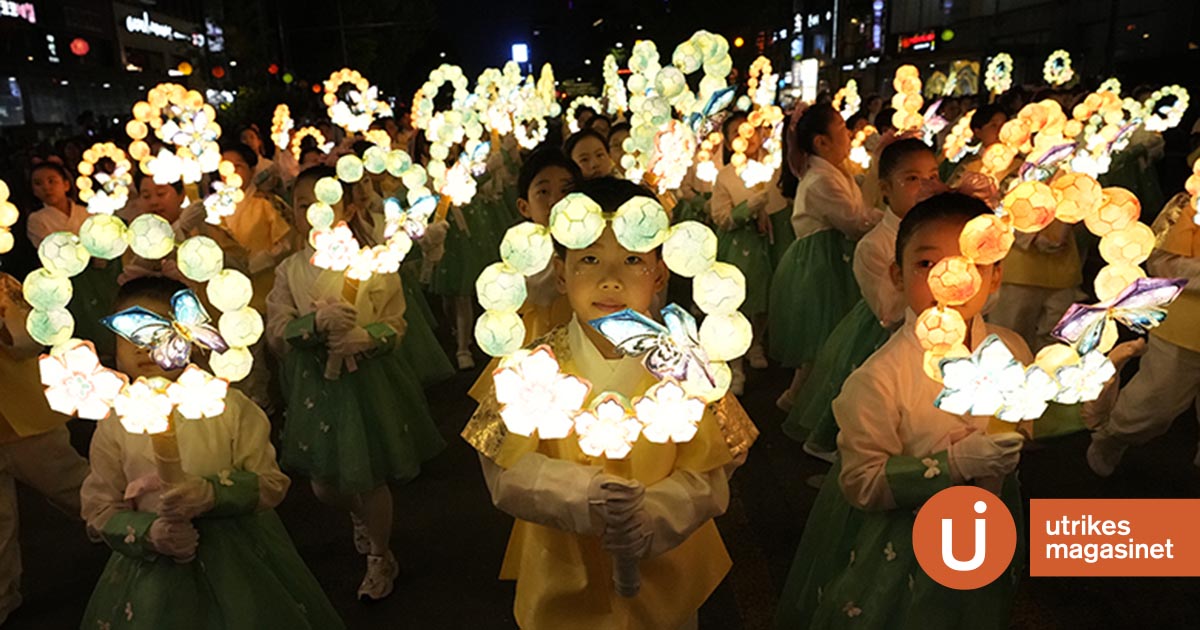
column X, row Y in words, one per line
column 623, row 535
column 170, row 469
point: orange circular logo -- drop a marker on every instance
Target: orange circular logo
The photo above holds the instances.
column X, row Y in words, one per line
column 964, row 537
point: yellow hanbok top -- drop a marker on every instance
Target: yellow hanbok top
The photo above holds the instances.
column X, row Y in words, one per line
column 564, row 580
column 24, row 411
column 1181, row 236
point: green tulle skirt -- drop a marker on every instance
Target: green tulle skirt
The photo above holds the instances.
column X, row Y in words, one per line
column 420, row 347
column 812, row 289
column 856, row 338
column 693, row 208
column 246, row 576
column 366, row 428
column 782, row 236
column 856, row 569
column 747, row 249
column 467, row 254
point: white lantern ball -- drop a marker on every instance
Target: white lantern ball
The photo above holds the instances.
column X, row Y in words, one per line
column 151, row 236
column 499, row 333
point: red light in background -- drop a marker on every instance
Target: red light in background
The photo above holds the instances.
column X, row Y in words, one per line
column 218, row 72
column 316, row 88
column 80, row 47
column 273, row 68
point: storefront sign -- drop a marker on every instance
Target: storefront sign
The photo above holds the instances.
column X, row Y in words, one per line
column 920, row 41
column 19, row 10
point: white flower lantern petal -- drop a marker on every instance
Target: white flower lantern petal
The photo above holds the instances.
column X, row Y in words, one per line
column 711, row 392
column 668, row 414
column 151, row 237
column 726, row 337
column 229, row 290
column 241, row 328
column 576, row 221
column 144, row 406
column 50, row 328
column 500, row 288
column 607, row 430
column 499, row 333
column 196, row 394
column 76, row 383
column 641, row 224
column 719, row 290
column 690, row 248
column 232, row 365
column 63, row 254
column 200, row 258
column 536, row 396
column 527, row 247
column 47, row 291
column 104, row 236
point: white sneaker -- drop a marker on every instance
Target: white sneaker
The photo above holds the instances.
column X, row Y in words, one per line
column 1103, row 459
column 757, row 358
column 823, row 455
column 466, row 361
column 362, row 542
column 380, row 578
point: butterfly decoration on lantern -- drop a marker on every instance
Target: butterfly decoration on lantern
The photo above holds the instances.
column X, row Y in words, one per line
column 169, row 340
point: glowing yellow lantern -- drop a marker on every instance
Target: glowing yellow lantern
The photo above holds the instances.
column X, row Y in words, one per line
column 720, row 290
column 954, row 280
column 151, row 236
column 1131, row 245
column 997, row 158
column 1118, row 210
column 241, row 328
column 1015, row 133
column 690, row 248
column 1079, row 196
column 1031, row 205
column 940, row 329
column 1114, row 278
column 726, row 337
column 229, row 290
column 986, row 239
column 232, row 365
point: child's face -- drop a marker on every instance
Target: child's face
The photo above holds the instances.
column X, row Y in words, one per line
column 240, row 166
column 605, row 278
column 928, row 245
column 162, row 200
column 592, row 157
column 250, row 138
column 135, row 361
column 989, row 133
column 834, row 144
column 549, row 186
column 303, row 196
column 902, row 185
column 49, row 186
column 615, row 148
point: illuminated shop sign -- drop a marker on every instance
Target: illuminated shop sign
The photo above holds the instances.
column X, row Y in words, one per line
column 19, row 10
column 920, row 41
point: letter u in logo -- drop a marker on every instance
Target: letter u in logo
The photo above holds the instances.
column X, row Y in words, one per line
column 976, row 560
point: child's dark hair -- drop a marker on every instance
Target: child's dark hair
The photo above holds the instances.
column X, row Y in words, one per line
column 53, row 166
column 815, row 121
column 984, row 115
column 541, row 159
column 618, row 128
column 591, row 122
column 585, row 108
column 857, row 117
column 139, row 177
column 248, row 154
column 883, row 120
column 895, row 153
column 306, row 150
column 579, row 136
column 943, row 207
column 158, row 288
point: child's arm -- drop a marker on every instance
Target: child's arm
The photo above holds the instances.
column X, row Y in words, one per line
column 284, row 324
column 835, row 205
column 1167, row 265
column 551, row 492
column 384, row 326
column 872, row 269
column 672, row 510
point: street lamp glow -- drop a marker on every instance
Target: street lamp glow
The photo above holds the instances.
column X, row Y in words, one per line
column 520, row 53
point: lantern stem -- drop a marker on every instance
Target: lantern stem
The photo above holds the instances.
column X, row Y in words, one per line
column 626, row 576
column 168, row 462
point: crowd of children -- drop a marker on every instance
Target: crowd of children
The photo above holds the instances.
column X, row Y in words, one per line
column 834, row 281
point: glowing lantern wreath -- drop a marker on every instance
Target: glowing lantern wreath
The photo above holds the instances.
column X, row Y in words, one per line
column 113, row 192
column 990, row 381
column 281, row 126
column 534, row 394
column 309, row 132
column 582, row 101
column 357, row 107
column 1057, row 69
column 459, row 125
column 615, row 95
column 998, row 77
column 907, row 100
column 847, row 100
column 8, row 217
column 765, row 116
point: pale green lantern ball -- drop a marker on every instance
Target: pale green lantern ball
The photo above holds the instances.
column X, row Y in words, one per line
column 241, row 328
column 8, row 213
column 328, row 190
column 46, row 291
column 690, row 248
column 229, row 290
column 200, row 258
column 710, row 392
column 104, row 236
column 500, row 288
column 413, row 178
column 349, row 168
column 440, row 150
column 641, row 224
column 499, row 333
column 398, row 163
column 726, row 337
column 151, row 237
column 50, row 328
column 320, row 216
column 576, row 221
column 527, row 247
column 719, row 290
column 718, row 67
column 63, row 254
column 670, row 82
column 375, row 160
column 232, row 365
column 687, row 57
